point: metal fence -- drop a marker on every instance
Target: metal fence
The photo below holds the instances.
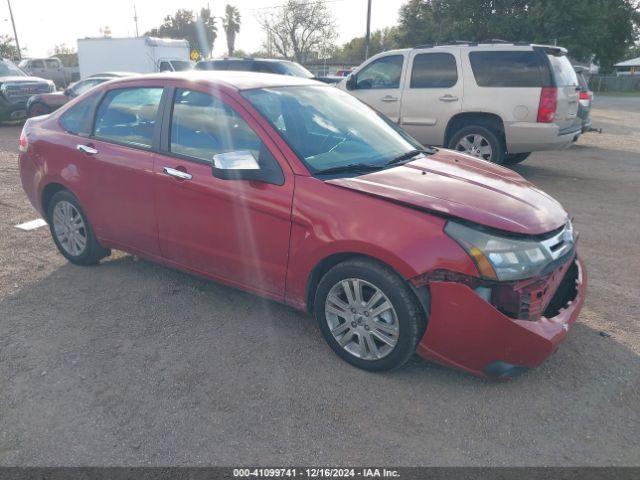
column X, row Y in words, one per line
column 614, row 83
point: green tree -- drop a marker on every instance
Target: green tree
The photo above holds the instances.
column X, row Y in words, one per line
column 381, row 40
column 8, row 48
column 231, row 25
column 200, row 31
column 604, row 28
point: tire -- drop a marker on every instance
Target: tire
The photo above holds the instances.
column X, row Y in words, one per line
column 513, row 158
column 403, row 324
column 38, row 109
column 68, row 224
column 489, row 138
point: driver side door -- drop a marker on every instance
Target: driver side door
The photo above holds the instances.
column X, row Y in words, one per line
column 233, row 230
column 379, row 84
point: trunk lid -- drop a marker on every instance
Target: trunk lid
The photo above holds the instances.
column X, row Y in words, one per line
column 566, row 80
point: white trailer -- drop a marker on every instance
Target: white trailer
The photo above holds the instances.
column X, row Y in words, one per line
column 136, row 55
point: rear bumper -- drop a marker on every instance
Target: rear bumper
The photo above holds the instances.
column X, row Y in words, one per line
column 532, row 137
column 466, row 332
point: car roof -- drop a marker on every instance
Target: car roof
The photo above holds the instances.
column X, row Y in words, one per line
column 235, row 80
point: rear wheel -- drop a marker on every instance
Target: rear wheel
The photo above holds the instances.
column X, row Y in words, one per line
column 38, row 109
column 480, row 142
column 71, row 230
column 368, row 315
column 513, row 158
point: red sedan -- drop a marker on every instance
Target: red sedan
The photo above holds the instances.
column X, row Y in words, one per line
column 298, row 192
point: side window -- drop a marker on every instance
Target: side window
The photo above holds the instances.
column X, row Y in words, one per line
column 203, row 126
column 36, row 64
column 165, row 66
column 52, row 63
column 434, row 70
column 382, row 73
column 128, row 115
column 76, row 119
column 509, row 69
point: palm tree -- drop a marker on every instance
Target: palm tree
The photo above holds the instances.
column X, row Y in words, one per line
column 231, row 25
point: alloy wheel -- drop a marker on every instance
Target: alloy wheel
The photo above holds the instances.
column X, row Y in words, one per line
column 362, row 319
column 69, row 228
column 475, row 145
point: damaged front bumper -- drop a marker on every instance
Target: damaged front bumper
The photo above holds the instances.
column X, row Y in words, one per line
column 466, row 331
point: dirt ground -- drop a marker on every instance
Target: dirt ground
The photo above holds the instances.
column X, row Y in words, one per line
column 129, row 363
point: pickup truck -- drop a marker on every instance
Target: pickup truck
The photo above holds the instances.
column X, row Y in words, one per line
column 16, row 87
column 52, row 69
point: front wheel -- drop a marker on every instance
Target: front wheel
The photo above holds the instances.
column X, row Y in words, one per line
column 368, row 315
column 72, row 232
column 479, row 142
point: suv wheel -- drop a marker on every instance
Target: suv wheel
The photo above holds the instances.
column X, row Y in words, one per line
column 72, row 232
column 479, row 142
column 513, row 158
column 368, row 315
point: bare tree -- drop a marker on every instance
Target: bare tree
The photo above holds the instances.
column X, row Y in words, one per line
column 299, row 30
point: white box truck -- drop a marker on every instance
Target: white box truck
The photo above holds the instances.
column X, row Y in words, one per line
column 136, row 55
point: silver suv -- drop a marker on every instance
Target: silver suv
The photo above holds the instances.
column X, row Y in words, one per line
column 497, row 101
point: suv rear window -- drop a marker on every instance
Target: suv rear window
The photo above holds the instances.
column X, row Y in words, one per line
column 563, row 72
column 509, row 69
column 434, row 70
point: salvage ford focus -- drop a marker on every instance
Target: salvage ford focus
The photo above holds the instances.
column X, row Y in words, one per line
column 298, row 192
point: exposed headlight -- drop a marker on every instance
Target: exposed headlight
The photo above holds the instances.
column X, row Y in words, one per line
column 504, row 258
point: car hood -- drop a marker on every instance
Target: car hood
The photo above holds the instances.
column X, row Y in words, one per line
column 56, row 98
column 461, row 186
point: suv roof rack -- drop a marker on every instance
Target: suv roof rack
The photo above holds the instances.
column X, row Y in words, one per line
column 491, row 41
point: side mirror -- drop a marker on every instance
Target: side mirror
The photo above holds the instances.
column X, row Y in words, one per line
column 242, row 165
column 352, row 81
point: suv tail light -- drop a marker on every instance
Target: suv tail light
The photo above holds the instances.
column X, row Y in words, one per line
column 23, row 144
column 548, row 104
column 585, row 95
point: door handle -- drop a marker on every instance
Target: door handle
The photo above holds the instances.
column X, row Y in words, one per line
column 448, row 98
column 389, row 98
column 177, row 173
column 87, row 149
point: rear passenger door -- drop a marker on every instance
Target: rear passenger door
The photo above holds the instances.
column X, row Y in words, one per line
column 432, row 96
column 125, row 130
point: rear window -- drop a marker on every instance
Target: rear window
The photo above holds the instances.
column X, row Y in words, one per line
column 509, row 69
column 128, row 115
column 563, row 72
column 434, row 70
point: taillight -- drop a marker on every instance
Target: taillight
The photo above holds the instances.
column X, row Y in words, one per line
column 548, row 104
column 23, row 144
column 585, row 95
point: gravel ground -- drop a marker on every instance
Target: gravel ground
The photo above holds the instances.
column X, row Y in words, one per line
column 130, row 363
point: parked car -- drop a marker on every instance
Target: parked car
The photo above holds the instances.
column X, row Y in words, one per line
column 52, row 69
column 393, row 247
column 263, row 65
column 345, row 72
column 495, row 101
column 585, row 98
column 15, row 88
column 44, row 103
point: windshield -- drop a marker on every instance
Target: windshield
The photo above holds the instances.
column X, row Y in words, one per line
column 8, row 69
column 181, row 65
column 293, row 69
column 328, row 128
column 563, row 71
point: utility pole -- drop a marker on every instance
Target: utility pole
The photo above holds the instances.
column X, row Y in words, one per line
column 368, row 37
column 15, row 34
column 135, row 19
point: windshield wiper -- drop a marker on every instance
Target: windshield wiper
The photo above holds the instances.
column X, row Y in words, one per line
column 410, row 154
column 350, row 167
